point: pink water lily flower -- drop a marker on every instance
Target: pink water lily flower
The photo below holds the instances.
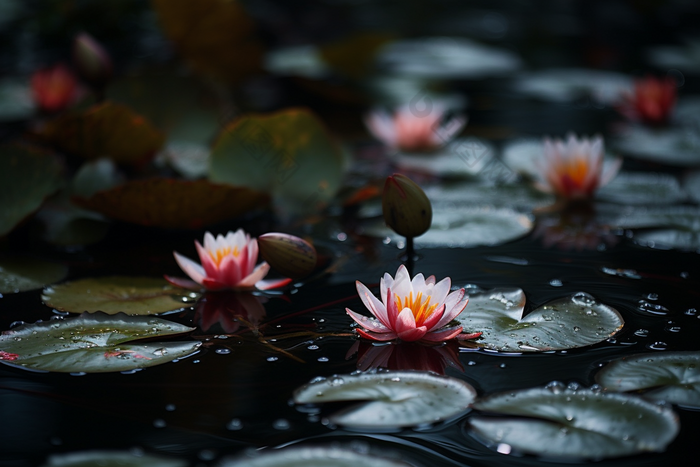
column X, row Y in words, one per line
column 409, row 131
column 574, row 169
column 228, row 263
column 411, row 310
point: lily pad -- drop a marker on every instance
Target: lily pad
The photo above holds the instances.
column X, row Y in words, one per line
column 580, row 424
column 517, row 196
column 669, row 227
column 463, row 158
column 216, row 38
column 319, row 456
column 27, row 177
column 566, row 323
column 692, row 186
column 111, row 459
column 302, row 60
column 670, row 376
column 16, row 102
column 465, row 228
column 673, row 146
column 93, row 343
column 446, row 57
column 115, row 294
column 21, row 274
column 289, row 154
column 171, row 203
column 568, row 84
column 105, row 130
column 642, row 189
column 189, row 159
column 391, row 399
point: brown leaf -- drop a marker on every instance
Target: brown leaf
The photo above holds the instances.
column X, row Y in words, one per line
column 171, row 203
column 105, row 130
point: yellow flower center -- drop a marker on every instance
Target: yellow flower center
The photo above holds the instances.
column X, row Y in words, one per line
column 421, row 309
column 218, row 255
column 577, row 169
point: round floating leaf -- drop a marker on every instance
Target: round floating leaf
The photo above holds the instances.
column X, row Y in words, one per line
column 170, row 203
column 191, row 160
column 673, row 146
column 642, row 189
column 466, row 227
column 94, row 176
column 581, row 424
column 670, row 376
column 93, row 343
column 110, row 459
column 105, row 130
column 27, row 176
column 391, row 399
column 691, row 184
column 568, row 84
column 216, row 37
column 16, row 102
column 566, row 323
column 444, row 57
column 517, row 196
column 114, row 294
column 674, row 226
column 305, row 61
column 22, row 274
column 312, row 457
column 463, row 158
column 289, row 154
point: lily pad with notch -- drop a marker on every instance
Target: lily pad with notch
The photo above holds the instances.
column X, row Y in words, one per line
column 390, row 400
column 115, row 294
column 566, row 323
column 19, row 274
column 111, row 459
column 670, row 376
column 314, row 456
column 575, row 423
column 93, row 343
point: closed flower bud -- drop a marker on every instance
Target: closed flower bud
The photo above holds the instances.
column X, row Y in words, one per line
column 91, row 60
column 289, row 255
column 406, row 208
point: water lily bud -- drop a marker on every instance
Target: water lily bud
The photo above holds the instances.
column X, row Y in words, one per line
column 91, row 60
column 406, row 208
column 289, row 255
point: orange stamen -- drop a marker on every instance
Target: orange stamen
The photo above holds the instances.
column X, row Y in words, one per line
column 421, row 309
column 218, row 255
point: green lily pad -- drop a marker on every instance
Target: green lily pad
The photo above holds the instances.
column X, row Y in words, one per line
column 189, row 159
column 27, row 177
column 289, row 154
column 642, row 189
column 669, row 227
column 16, row 102
column 93, row 343
column 318, row 456
column 462, row 158
column 674, row 146
column 691, row 184
column 115, row 294
column 105, row 130
column 579, row 424
column 392, row 399
column 21, row 274
column 173, row 203
column 670, row 376
column 566, row 323
column 110, row 459
column 465, row 228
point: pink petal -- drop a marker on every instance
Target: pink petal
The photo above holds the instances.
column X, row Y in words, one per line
column 454, row 311
column 443, row 335
column 377, row 337
column 228, row 272
column 369, row 324
column 184, row 283
column 214, row 285
column 375, row 307
column 257, row 275
column 405, row 321
column 466, row 336
column 189, row 267
column 440, row 291
column 208, row 264
column 415, row 334
column 434, row 318
column 269, row 284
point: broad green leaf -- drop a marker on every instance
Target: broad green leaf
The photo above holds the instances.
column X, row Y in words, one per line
column 110, row 459
column 317, row 456
column 691, row 184
column 19, row 274
column 670, row 376
column 578, row 424
column 642, row 189
column 462, row 158
column 391, row 399
column 27, row 176
column 673, row 226
column 566, row 323
column 108, row 130
column 674, row 146
column 94, row 176
column 465, row 228
column 174, row 203
column 289, row 154
column 16, row 102
column 115, row 294
column 569, row 84
column 93, row 343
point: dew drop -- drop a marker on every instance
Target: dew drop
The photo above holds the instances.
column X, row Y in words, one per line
column 658, row 345
column 272, row 359
column 280, row 424
column 206, row 455
column 691, row 312
column 641, row 333
column 577, row 329
column 159, row 423
column 471, row 363
column 313, row 347
column 170, row 407
column 235, row 424
column 223, row 351
column 336, row 381
column 323, row 359
column 502, row 365
column 556, row 283
column 556, row 387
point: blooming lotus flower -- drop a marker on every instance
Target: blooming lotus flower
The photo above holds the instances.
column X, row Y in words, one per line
column 574, row 169
column 411, row 310
column 406, row 131
column 652, row 101
column 54, row 88
column 228, row 263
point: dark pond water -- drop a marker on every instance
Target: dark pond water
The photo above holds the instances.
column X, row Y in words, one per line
column 234, row 394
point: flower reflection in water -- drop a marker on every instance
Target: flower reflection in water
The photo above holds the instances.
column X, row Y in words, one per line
column 410, row 131
column 229, row 310
column 575, row 229
column 406, row 356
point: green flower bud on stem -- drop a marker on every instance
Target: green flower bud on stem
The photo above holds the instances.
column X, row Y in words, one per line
column 289, row 255
column 91, row 60
column 406, row 208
